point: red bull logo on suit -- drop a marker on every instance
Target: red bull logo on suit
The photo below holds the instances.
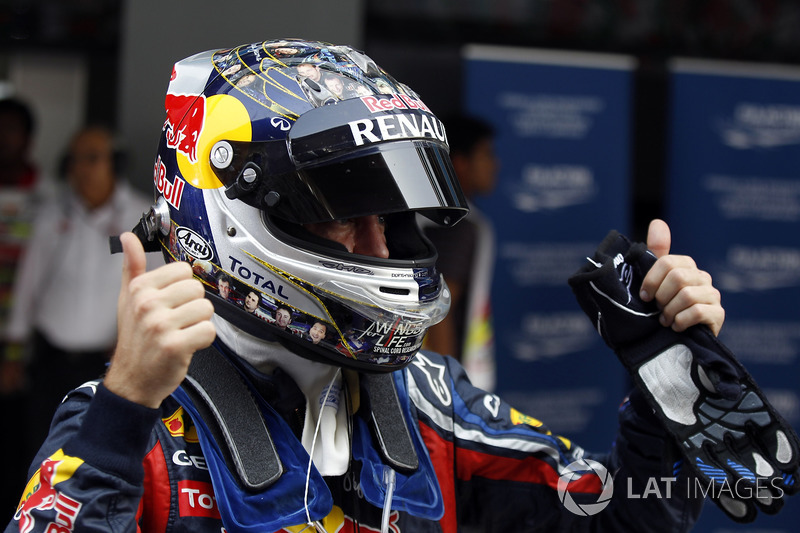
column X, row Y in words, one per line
column 40, row 494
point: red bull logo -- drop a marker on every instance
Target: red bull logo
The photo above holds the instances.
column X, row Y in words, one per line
column 388, row 102
column 185, row 120
column 172, row 192
column 41, row 495
column 177, row 427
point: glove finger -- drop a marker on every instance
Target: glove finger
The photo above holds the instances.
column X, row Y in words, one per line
column 757, row 482
column 717, row 482
column 770, row 449
column 768, row 500
column 743, row 511
column 746, row 479
column 732, row 488
column 785, row 449
column 774, row 456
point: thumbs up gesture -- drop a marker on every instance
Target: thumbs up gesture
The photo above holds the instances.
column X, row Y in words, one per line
column 163, row 319
column 660, row 314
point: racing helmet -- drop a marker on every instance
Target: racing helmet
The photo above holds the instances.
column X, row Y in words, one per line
column 264, row 139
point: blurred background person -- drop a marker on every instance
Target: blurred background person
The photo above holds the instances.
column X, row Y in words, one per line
column 21, row 185
column 63, row 315
column 466, row 255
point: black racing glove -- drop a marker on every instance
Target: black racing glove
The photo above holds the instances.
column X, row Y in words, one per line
column 740, row 448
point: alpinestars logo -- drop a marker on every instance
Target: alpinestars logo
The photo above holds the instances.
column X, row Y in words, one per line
column 577, row 470
column 625, row 274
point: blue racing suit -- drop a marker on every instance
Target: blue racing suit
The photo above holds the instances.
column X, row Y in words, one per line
column 112, row 465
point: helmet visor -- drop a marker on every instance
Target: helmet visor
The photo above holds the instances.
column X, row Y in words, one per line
column 345, row 161
column 389, row 178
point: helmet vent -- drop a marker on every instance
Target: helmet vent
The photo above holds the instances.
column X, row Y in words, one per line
column 429, row 290
column 316, row 94
column 395, row 290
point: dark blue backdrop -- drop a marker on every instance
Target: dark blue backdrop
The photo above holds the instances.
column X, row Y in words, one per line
column 563, row 140
column 734, row 205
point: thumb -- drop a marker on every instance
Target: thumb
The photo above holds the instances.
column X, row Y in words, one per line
column 659, row 238
column 135, row 262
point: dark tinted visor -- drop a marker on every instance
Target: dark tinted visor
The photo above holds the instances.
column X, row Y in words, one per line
column 381, row 179
column 343, row 161
column 375, row 155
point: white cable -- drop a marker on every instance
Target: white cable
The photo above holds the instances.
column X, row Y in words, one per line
column 389, row 481
column 313, row 443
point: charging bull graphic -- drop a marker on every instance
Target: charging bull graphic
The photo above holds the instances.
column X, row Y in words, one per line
column 184, row 123
column 41, row 494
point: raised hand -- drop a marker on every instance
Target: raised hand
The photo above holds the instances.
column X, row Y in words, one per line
column 163, row 318
column 734, row 441
column 683, row 292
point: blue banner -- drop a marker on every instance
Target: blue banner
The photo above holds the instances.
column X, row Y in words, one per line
column 734, row 205
column 562, row 124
